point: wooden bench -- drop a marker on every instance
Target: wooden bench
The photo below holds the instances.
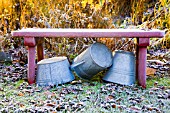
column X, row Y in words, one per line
column 32, row 34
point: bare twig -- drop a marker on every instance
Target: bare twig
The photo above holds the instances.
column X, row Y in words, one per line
column 126, row 43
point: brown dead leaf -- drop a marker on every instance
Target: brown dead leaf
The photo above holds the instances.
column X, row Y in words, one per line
column 109, row 97
column 54, row 112
column 150, row 71
column 51, row 104
column 114, row 105
column 20, row 94
column 22, row 105
column 49, row 94
column 1, row 89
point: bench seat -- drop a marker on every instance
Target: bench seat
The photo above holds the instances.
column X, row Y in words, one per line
column 31, row 35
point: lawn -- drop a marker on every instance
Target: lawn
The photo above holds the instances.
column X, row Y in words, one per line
column 83, row 96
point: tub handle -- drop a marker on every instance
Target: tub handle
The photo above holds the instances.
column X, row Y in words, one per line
column 77, row 64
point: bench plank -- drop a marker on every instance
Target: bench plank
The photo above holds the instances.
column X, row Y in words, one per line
column 89, row 33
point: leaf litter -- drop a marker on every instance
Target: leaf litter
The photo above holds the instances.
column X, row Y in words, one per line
column 82, row 96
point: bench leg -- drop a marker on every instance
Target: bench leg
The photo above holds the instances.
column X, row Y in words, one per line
column 141, row 74
column 30, row 42
column 141, row 60
column 31, row 65
column 40, row 50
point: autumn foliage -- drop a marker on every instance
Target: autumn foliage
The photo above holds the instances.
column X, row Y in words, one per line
column 18, row 14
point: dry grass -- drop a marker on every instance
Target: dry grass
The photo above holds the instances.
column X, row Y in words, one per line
column 17, row 14
column 84, row 97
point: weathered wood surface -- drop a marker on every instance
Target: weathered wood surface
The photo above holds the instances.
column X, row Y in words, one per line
column 89, row 33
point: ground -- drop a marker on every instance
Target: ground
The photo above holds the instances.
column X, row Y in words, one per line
column 16, row 95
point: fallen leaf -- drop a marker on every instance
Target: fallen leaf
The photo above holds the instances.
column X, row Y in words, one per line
column 155, row 84
column 50, row 104
column 1, row 89
column 48, row 93
column 154, row 89
column 113, row 105
column 109, row 97
column 76, row 82
column 20, row 94
column 22, row 105
column 54, row 112
column 157, row 62
column 81, row 103
column 150, row 71
column 28, row 91
column 135, row 108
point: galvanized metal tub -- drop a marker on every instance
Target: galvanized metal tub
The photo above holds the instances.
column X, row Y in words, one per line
column 123, row 69
column 94, row 59
column 54, row 71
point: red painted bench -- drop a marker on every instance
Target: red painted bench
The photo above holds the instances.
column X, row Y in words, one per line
column 32, row 34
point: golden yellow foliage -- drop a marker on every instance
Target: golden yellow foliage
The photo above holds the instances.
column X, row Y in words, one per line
column 16, row 14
